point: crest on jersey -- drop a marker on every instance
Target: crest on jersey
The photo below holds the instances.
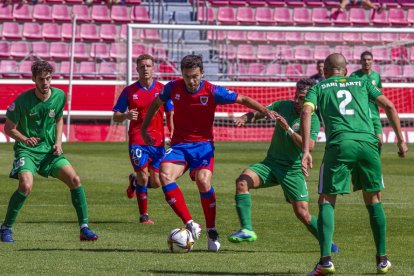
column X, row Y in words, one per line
column 177, row 96
column 373, row 82
column 135, row 97
column 52, row 113
column 296, row 127
column 204, row 100
column 156, row 94
column 11, row 107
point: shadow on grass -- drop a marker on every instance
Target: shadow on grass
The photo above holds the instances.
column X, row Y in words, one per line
column 218, row 273
column 75, row 221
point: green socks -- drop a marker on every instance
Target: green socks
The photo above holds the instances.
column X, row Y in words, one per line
column 15, row 204
column 326, row 225
column 378, row 223
column 313, row 227
column 80, row 204
column 243, row 207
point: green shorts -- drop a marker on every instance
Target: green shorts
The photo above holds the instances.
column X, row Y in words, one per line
column 291, row 180
column 356, row 161
column 43, row 164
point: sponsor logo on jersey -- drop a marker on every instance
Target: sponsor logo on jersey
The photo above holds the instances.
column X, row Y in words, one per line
column 296, row 127
column 135, row 97
column 177, row 96
column 52, row 113
column 204, row 100
column 374, row 82
column 11, row 107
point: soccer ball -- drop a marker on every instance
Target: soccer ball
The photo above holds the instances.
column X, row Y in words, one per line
column 180, row 240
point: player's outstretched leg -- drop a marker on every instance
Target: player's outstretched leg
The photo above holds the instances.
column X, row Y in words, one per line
column 243, row 235
column 86, row 234
column 6, row 234
column 130, row 191
column 213, row 240
column 324, row 267
column 194, row 228
column 383, row 264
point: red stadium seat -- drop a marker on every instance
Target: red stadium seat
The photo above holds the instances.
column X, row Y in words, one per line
column 51, row 31
column 59, row 50
column 89, row 31
column 313, row 37
column 274, row 71
column 88, row 69
column 100, row 13
column 42, row 12
column 120, row 14
column 358, row 16
column 276, row 36
column 282, row 15
column 321, row 16
column 6, row 12
column 12, row 30
column 265, row 52
column 140, row 14
column 9, row 68
column 381, row 19
column 118, row 51
column 245, row 52
column 311, row 70
column 32, row 30
column 303, row 53
column 168, row 71
column 399, row 53
column 255, row 71
column 133, row 2
column 238, row 72
column 284, row 52
column 256, row 37
column 206, row 14
column 410, row 16
column 25, row 69
column 237, row 36
column 22, row 12
column 99, row 50
column 150, row 35
column 245, row 15
column 81, row 12
column 41, row 49
column 321, row 52
column 108, row 70
column 226, row 15
column 294, row 71
column 20, row 49
column 398, row 17
column 108, row 32
column 264, row 15
column 345, row 50
column 81, row 51
column 4, row 49
column 352, row 68
column 61, row 13
column 381, row 54
column 302, row 16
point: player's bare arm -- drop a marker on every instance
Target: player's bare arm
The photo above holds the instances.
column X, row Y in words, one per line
column 59, row 130
column 394, row 120
column 253, row 104
column 11, row 130
column 295, row 136
column 305, row 124
column 119, row 117
column 152, row 110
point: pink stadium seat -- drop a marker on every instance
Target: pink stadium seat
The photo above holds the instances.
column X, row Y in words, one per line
column 6, row 12
column 139, row 49
column 136, row 33
column 353, row 38
column 294, row 36
column 406, row 3
column 256, row 37
column 81, row 12
column 408, row 71
column 381, row 54
column 140, row 14
column 237, row 2
column 313, row 37
column 389, row 37
column 108, row 70
column 332, row 37
column 133, row 2
column 32, row 30
column 89, row 31
column 88, row 69
column 41, row 49
column 20, row 49
column 108, row 32
column 151, row 35
column 410, row 16
column 66, row 31
column 294, row 71
column 4, row 49
column 371, row 38
column 310, row 70
column 206, row 14
column 340, row 18
column 12, row 30
column 276, row 36
column 275, row 3
column 8, row 68
column 284, row 52
column 227, row 52
column 99, row 50
column 406, row 37
column 391, row 71
column 376, row 67
column 42, row 12
column 216, row 35
column 120, row 14
column 353, row 67
column 226, row 15
column 398, row 17
column 81, row 51
column 118, row 51
column 265, row 52
column 159, row 52
column 245, row 52
column 389, row 3
column 314, row 3
column 331, row 3
column 302, row 16
column 61, row 13
column 381, row 19
column 358, row 50
column 295, row 3
column 264, row 15
column 303, row 53
column 358, row 16
column 256, row 3
column 237, row 36
column 59, row 50
column 22, row 12
column 218, row 2
column 320, row 16
column 74, row 1
column 238, row 72
column 100, row 13
column 282, row 15
column 25, row 69
column 345, row 50
column 51, row 31
column 64, row 70
column 245, row 15
column 256, row 71
column 321, row 52
column 274, row 71
column 399, row 53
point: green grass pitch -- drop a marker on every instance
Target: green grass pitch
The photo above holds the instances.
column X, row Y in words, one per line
column 47, row 234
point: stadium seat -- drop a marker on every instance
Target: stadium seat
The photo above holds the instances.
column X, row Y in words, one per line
column 4, row 49
column 256, row 3
column 20, row 49
column 89, row 31
column 133, row 2
column 136, row 33
column 399, row 53
column 108, row 32
column 345, row 50
column 389, row 37
column 340, row 18
column 294, row 36
column 81, row 12
column 9, row 68
column 314, row 3
column 51, row 31
column 358, row 50
column 206, row 14
column 353, row 38
column 371, row 38
column 81, row 51
column 59, row 50
column 264, row 15
column 294, row 71
column 381, row 54
column 265, row 52
column 118, row 51
column 216, row 35
column 42, row 12
column 238, row 72
column 321, row 52
column 282, row 16
column 61, row 13
column 108, row 70
column 376, row 67
column 88, row 69
column 398, row 17
column 302, row 16
column 168, row 71
column 245, row 52
column 331, row 3
column 352, row 68
column 275, row 3
column 99, row 50
column 226, row 15
column 22, row 13
column 120, row 14
column 391, row 71
column 66, row 31
column 255, row 71
column 276, row 36
column 237, row 2
column 150, row 35
column 256, row 37
column 32, row 30
column 406, row 37
column 410, row 16
column 74, row 1
column 409, row 4
column 159, row 52
column 6, row 12
column 313, row 37
column 140, row 14
column 25, row 69
column 245, row 15
column 295, row 3
column 217, row 2
column 358, row 16
column 274, row 71
column 227, row 51
column 389, row 3
column 12, row 30
column 100, row 13
column 237, row 36
column 320, row 16
column 310, row 70
column 381, row 19
column 284, row 53
column 332, row 37
column 139, row 49
column 64, row 70
column 41, row 49
column 303, row 53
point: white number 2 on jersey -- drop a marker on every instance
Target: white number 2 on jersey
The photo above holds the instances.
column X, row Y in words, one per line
column 342, row 106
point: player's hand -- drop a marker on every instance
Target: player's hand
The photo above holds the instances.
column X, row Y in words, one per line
column 241, row 121
column 282, row 122
column 306, row 163
column 58, row 149
column 31, row 141
column 133, row 114
column 402, row 149
column 270, row 114
column 147, row 139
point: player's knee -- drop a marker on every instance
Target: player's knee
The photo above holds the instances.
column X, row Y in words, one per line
column 241, row 186
column 165, row 178
column 25, row 184
column 154, row 184
column 75, row 181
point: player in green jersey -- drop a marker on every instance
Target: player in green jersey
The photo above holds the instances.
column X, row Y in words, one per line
column 282, row 165
column 35, row 121
column 351, row 153
column 366, row 73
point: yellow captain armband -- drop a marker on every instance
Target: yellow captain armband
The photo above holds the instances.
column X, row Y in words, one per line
column 311, row 105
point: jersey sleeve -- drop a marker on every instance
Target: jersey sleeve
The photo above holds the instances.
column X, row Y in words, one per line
column 165, row 93
column 373, row 92
column 224, row 96
column 59, row 112
column 352, row 75
column 311, row 97
column 379, row 85
column 169, row 106
column 122, row 102
column 315, row 127
column 13, row 112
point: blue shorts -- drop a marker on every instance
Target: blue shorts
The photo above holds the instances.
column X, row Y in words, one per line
column 144, row 156
column 194, row 156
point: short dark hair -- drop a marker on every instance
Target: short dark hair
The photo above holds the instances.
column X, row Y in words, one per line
column 143, row 57
column 365, row 53
column 41, row 66
column 192, row 61
column 305, row 83
column 319, row 62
